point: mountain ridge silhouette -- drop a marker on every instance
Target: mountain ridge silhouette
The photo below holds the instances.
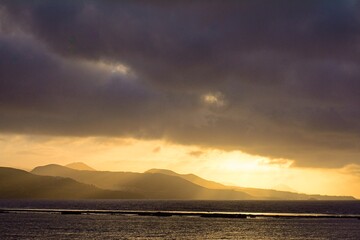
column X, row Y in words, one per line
column 80, row 166
column 19, row 184
column 151, row 185
column 258, row 193
column 167, row 184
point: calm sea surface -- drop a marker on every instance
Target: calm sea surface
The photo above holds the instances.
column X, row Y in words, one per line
column 30, row 225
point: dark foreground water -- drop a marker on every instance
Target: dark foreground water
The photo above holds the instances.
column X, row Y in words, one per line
column 52, row 225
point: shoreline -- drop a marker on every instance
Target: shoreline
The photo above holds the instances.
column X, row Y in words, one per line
column 239, row 215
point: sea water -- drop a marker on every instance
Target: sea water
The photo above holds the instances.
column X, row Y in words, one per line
column 51, row 225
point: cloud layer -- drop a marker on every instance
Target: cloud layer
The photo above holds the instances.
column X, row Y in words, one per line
column 274, row 78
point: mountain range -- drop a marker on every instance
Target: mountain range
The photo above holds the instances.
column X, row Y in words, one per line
column 151, row 185
column 75, row 181
column 256, row 193
column 80, row 166
column 19, row 184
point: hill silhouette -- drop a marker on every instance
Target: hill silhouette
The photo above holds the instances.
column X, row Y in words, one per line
column 151, row 185
column 190, row 177
column 284, row 187
column 261, row 194
column 80, row 166
column 167, row 184
column 15, row 183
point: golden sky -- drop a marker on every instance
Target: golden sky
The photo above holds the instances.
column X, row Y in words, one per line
column 127, row 154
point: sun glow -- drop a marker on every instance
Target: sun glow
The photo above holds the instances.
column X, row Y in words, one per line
column 236, row 165
column 127, row 154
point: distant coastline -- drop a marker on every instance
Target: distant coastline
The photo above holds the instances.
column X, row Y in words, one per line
column 68, row 182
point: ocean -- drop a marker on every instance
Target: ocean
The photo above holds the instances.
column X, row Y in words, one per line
column 130, row 219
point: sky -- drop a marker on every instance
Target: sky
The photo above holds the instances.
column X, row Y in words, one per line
column 254, row 93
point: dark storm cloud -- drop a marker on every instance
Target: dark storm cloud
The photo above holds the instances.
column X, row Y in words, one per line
column 275, row 78
column 41, row 92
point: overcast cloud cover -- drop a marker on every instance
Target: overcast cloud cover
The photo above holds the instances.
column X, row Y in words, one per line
column 276, row 78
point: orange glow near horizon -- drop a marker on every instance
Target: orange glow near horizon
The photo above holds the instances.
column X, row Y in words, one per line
column 231, row 168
